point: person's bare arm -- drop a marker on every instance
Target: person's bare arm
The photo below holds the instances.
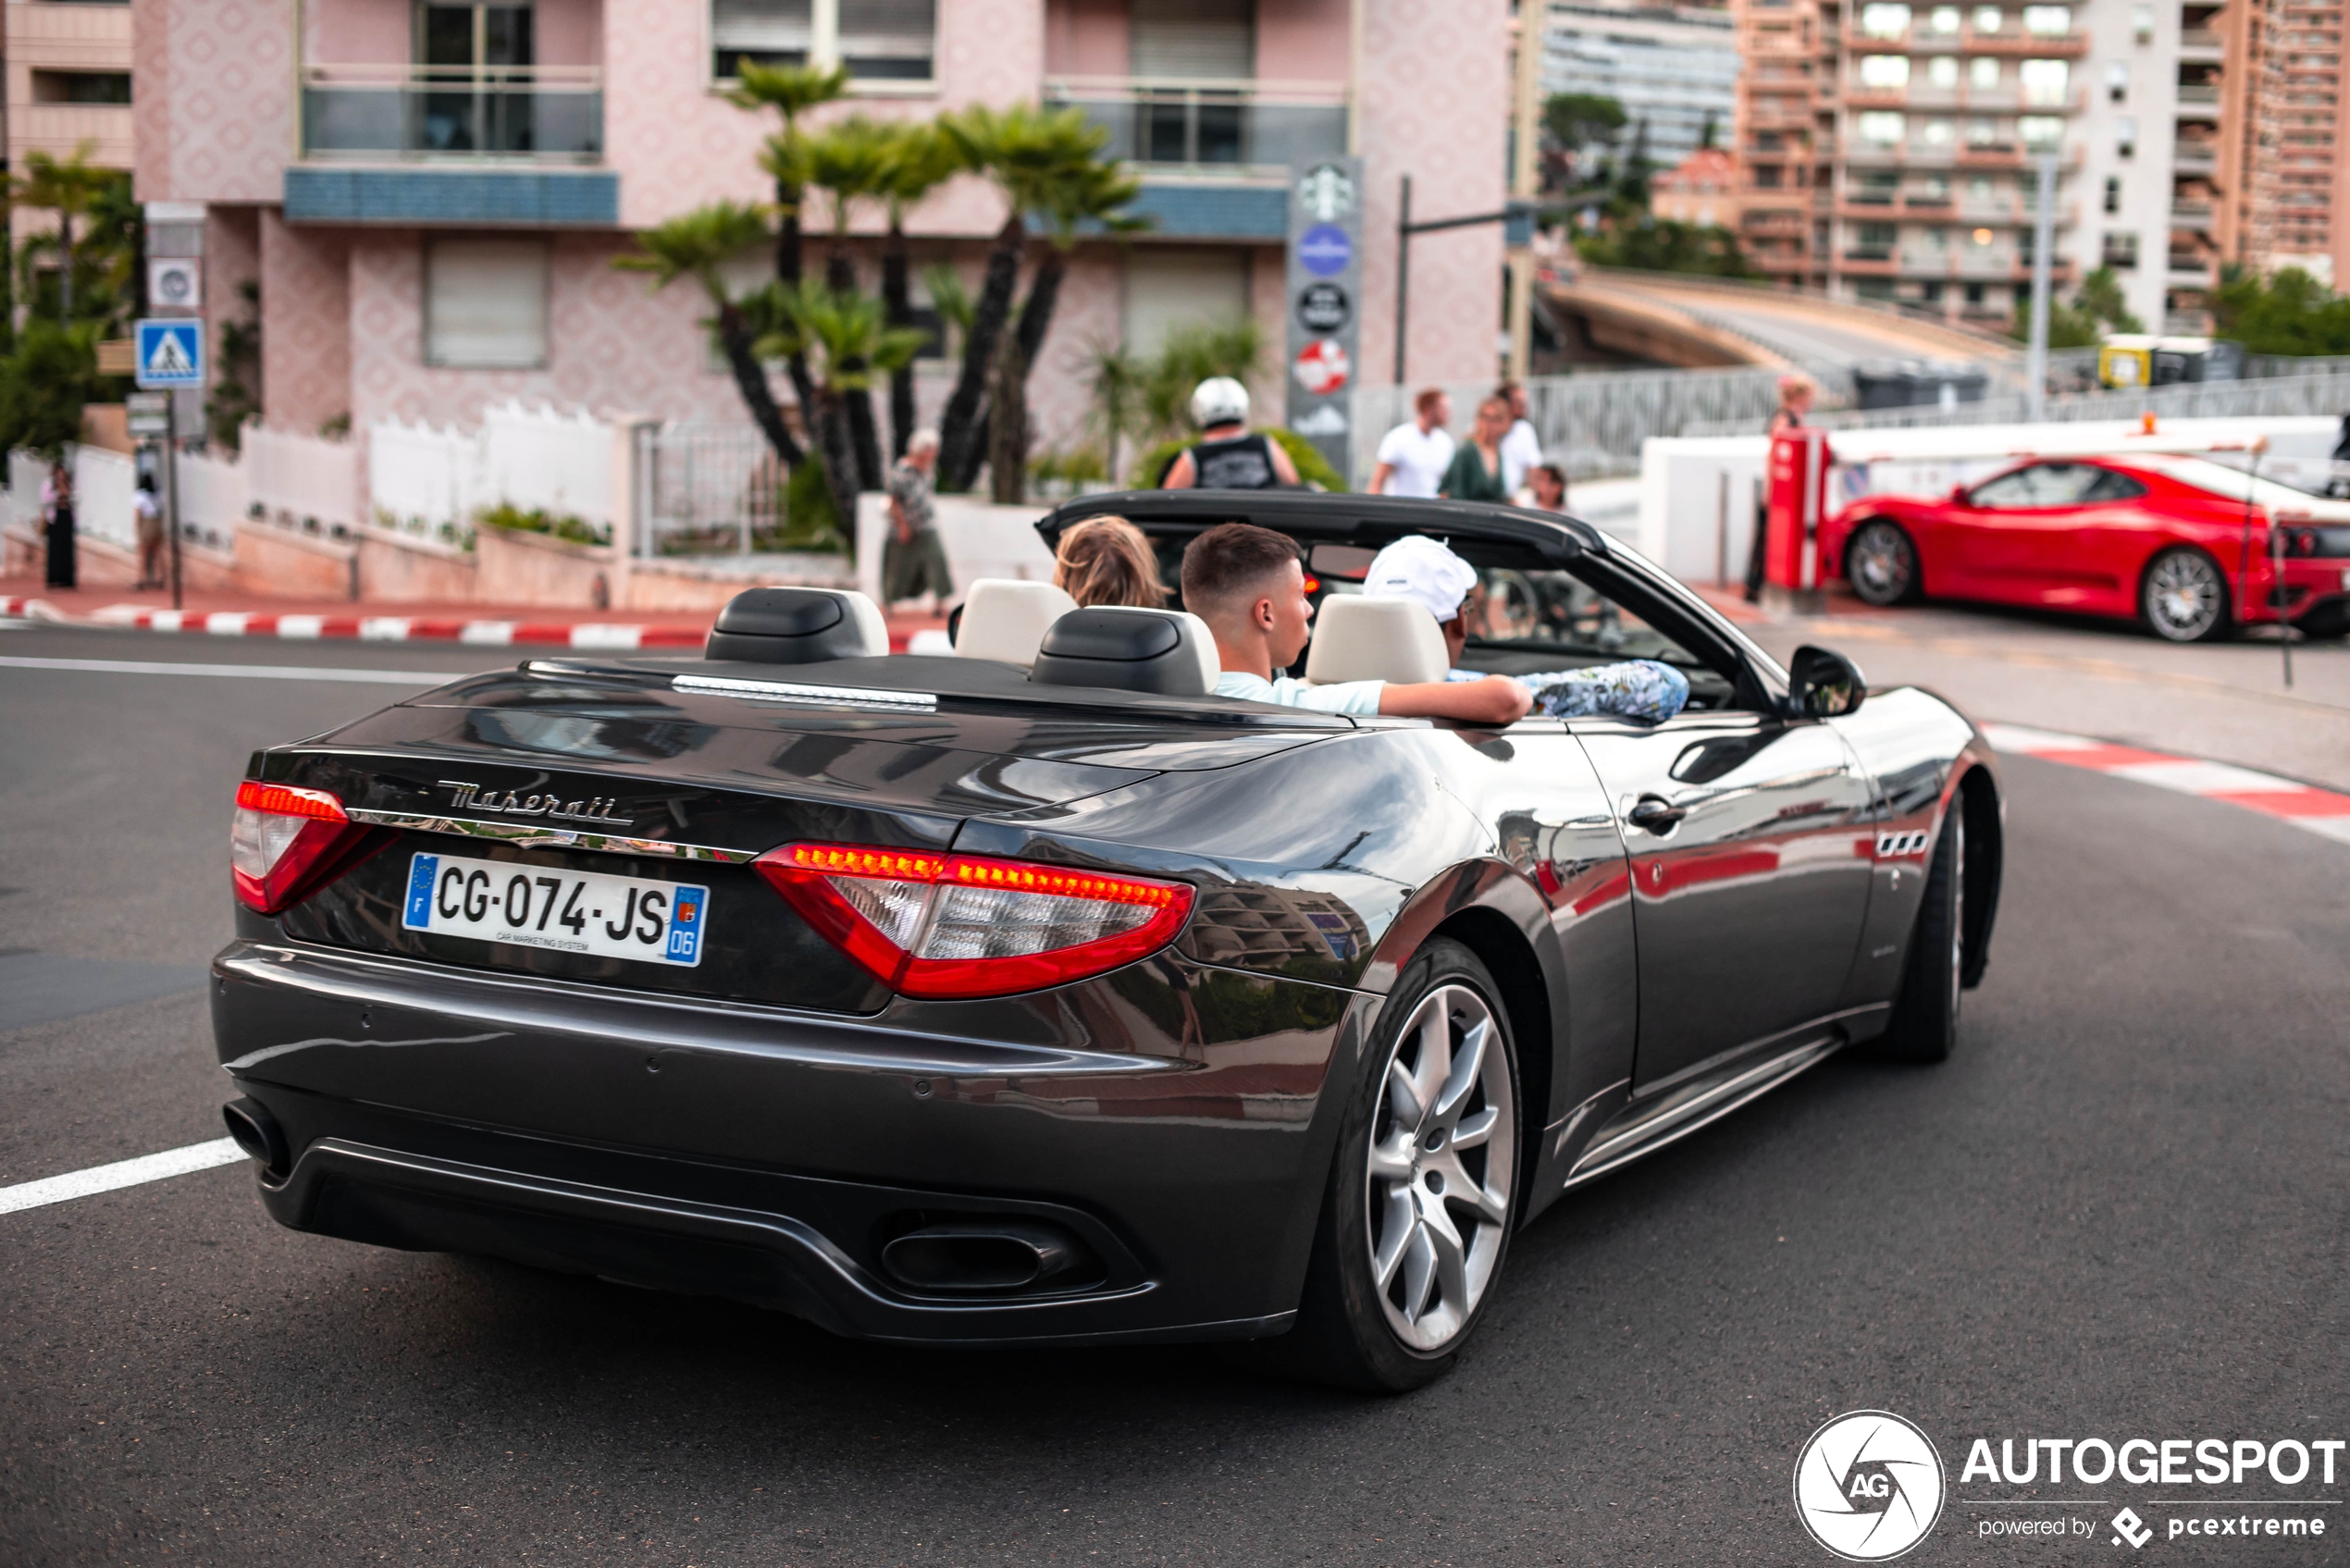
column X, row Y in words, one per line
column 1496, row 700
column 1184, row 475
column 1283, row 469
column 1380, row 475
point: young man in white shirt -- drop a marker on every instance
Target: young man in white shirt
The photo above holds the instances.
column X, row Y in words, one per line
column 1247, row 584
column 1412, row 457
column 1521, row 449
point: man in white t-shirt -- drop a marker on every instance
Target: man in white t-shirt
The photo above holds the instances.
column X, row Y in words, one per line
column 1246, row 583
column 1413, row 456
column 1521, row 449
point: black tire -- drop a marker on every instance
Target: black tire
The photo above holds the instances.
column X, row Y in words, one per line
column 2183, row 597
column 1925, row 1013
column 1881, row 563
column 1347, row 1331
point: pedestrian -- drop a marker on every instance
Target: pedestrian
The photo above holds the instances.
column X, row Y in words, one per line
column 1475, row 472
column 1412, row 456
column 1795, row 393
column 1226, row 456
column 149, row 512
column 57, row 511
column 1521, row 449
column 1548, row 482
column 913, row 562
column 1108, row 560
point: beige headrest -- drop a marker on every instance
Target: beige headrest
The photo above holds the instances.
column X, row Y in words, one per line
column 1360, row 637
column 1006, row 619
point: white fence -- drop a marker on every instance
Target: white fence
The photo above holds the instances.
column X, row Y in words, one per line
column 214, row 498
column 307, row 479
column 708, row 489
column 434, row 480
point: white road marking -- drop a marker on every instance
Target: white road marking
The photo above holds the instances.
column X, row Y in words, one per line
column 122, row 1173
column 246, row 672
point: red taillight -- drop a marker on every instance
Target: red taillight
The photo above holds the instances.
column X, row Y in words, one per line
column 935, row 925
column 283, row 841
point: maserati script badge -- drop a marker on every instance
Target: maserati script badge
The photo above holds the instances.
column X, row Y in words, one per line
column 597, row 811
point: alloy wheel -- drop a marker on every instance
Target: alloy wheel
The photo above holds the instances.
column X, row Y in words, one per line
column 2184, row 596
column 1882, row 564
column 1441, row 1168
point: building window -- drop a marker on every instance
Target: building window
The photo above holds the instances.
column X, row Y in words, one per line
column 1982, row 71
column 2141, row 23
column 1945, row 18
column 2113, row 193
column 2121, row 250
column 1980, row 132
column 2125, row 136
column 2040, row 131
column 1880, row 19
column 1974, row 296
column 2047, row 21
column 80, row 87
column 2044, row 83
column 2117, row 82
column 486, row 305
column 876, row 40
column 1941, row 131
column 1943, row 70
column 1883, row 128
column 1987, row 19
column 1885, row 72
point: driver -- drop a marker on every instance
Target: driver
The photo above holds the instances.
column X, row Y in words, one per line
column 1247, row 584
column 1419, row 568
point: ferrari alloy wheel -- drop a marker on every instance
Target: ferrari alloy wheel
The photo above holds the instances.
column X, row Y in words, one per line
column 2186, row 597
column 1926, row 1015
column 1882, row 564
column 1416, row 1220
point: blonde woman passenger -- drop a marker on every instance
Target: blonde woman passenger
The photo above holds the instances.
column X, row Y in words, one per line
column 1108, row 560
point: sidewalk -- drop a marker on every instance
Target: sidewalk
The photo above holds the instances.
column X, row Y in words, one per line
column 219, row 614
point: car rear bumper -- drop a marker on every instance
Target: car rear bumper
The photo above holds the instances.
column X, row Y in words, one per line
column 773, row 1158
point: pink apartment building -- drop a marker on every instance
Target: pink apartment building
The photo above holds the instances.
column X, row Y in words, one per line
column 431, row 195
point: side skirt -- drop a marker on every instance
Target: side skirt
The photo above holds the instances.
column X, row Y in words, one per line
column 1651, row 1126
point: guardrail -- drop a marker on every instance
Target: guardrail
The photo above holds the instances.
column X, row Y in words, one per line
column 2326, row 393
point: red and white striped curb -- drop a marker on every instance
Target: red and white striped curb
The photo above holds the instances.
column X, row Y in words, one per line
column 393, row 628
column 2305, row 806
column 16, row 609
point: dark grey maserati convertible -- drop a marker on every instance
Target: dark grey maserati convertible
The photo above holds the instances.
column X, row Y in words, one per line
column 1035, row 994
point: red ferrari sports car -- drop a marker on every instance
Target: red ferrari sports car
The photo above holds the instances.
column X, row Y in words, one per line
column 2180, row 543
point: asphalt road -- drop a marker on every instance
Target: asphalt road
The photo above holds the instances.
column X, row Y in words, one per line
column 2120, row 1211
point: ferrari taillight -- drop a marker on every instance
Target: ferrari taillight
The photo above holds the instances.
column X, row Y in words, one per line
column 284, row 841
column 934, row 925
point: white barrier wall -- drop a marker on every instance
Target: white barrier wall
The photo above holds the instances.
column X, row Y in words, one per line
column 425, row 478
column 212, row 496
column 1698, row 494
column 103, row 482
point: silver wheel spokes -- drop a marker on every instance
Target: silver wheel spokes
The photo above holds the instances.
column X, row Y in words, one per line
column 2183, row 594
column 1442, row 1161
column 1879, row 562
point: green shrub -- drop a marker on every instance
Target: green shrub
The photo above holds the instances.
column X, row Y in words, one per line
column 515, row 520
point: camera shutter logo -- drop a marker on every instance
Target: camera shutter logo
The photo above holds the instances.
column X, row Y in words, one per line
column 1868, row 1486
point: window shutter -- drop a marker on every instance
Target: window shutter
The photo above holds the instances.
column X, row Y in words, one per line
column 892, row 39
column 1194, row 39
column 486, row 304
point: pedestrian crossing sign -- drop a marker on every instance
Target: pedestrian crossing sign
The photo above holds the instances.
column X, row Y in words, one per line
column 169, row 353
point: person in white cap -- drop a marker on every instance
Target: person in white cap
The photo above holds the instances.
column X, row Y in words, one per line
column 1226, row 456
column 1420, row 569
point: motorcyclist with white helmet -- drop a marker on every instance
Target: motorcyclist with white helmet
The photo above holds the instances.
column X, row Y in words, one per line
column 1227, row 457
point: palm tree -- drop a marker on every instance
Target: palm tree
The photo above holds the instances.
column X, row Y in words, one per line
column 697, row 244
column 1087, row 192
column 844, row 334
column 68, row 189
column 791, row 92
column 1028, row 152
column 1114, row 378
column 851, row 161
column 922, row 160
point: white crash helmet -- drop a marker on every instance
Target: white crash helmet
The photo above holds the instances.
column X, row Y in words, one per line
column 1220, row 400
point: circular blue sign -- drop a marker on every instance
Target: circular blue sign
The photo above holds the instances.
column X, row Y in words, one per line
column 1325, row 251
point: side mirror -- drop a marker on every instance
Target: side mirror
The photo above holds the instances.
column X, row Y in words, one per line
column 1957, row 495
column 1823, row 683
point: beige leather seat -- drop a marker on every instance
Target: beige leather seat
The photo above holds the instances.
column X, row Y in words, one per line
column 1363, row 637
column 1168, row 651
column 1007, row 619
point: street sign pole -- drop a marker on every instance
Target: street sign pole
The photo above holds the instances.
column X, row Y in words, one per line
column 171, row 487
column 2036, row 364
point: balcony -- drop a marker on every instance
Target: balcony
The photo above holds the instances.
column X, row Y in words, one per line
column 2197, row 92
column 2200, row 43
column 2187, row 157
column 1254, row 128
column 2191, row 214
column 1920, row 41
column 502, row 114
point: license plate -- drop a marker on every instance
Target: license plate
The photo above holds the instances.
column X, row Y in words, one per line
column 590, row 912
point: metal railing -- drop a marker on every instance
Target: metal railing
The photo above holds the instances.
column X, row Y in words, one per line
column 549, row 113
column 2325, row 392
column 709, row 491
column 1173, row 122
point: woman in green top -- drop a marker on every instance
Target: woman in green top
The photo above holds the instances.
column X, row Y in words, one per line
column 1476, row 472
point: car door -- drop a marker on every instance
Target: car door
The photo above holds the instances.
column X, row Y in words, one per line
column 2017, row 532
column 1749, row 839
